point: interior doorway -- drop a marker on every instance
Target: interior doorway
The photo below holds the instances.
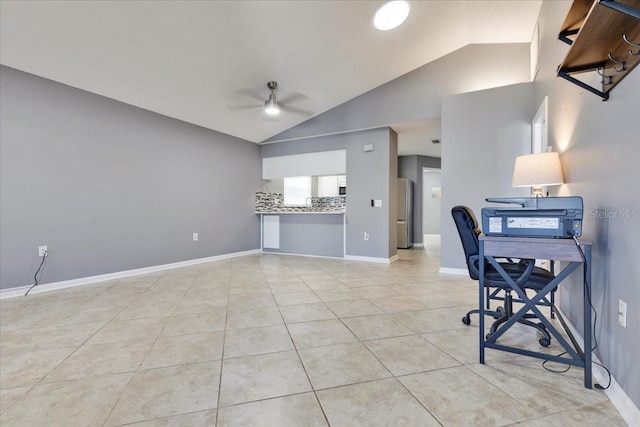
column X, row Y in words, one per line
column 431, row 206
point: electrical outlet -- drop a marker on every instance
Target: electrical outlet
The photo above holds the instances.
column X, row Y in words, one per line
column 42, row 251
column 195, row 237
column 366, row 235
column 622, row 313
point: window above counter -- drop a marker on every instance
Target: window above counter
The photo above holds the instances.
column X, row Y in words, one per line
column 297, row 190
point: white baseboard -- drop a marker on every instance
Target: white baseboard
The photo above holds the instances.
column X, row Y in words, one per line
column 47, row 287
column 457, row 271
column 371, row 259
column 419, row 245
column 303, row 255
column 625, row 406
column 346, row 257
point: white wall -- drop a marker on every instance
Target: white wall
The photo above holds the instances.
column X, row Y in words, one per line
column 482, row 134
column 431, row 207
column 599, row 144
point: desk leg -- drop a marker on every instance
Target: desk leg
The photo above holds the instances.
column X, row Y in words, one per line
column 481, row 302
column 587, row 317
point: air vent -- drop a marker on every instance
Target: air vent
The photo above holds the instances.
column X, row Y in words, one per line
column 435, row 141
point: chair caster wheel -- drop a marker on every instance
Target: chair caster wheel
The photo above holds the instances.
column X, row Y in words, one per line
column 466, row 320
column 500, row 309
column 545, row 342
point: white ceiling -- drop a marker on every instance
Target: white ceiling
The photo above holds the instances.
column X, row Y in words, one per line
column 189, row 59
column 416, row 137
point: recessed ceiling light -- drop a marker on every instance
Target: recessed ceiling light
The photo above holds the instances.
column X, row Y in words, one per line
column 391, row 15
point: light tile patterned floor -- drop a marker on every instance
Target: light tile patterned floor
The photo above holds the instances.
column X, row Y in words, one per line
column 271, row 340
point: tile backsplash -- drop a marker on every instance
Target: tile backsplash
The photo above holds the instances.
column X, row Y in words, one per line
column 274, row 202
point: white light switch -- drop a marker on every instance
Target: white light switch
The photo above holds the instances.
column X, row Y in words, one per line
column 377, row 203
column 368, row 147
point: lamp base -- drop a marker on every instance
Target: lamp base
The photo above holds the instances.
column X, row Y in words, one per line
column 537, row 192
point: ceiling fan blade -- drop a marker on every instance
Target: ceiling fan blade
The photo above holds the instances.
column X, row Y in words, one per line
column 294, row 97
column 244, row 99
column 243, row 107
column 251, row 93
column 295, row 110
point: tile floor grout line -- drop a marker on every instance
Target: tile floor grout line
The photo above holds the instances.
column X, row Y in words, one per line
column 224, row 338
column 17, row 400
column 124, row 389
column 304, row 368
column 419, row 401
column 150, row 347
column 74, row 351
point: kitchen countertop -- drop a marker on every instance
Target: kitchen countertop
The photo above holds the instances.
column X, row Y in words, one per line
column 301, row 213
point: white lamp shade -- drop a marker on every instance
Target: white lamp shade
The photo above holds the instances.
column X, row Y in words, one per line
column 536, row 170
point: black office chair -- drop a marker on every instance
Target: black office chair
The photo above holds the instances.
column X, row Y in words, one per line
column 524, row 273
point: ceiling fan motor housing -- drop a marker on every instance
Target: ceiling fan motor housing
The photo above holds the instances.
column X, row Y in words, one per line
column 271, row 104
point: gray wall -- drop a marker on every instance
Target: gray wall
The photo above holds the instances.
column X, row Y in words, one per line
column 431, row 207
column 110, row 187
column 410, row 167
column 599, row 144
column 368, row 177
column 482, row 134
column 418, row 95
column 310, row 234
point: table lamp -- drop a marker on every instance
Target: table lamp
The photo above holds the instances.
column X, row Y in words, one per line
column 536, row 171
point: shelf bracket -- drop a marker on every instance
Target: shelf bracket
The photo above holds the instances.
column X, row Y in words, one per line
column 563, row 36
column 623, row 8
column 566, row 74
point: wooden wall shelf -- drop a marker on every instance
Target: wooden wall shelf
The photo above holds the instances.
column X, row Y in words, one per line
column 596, row 31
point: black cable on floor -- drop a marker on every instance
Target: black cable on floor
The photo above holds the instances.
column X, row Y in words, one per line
column 595, row 315
column 35, row 276
column 595, row 321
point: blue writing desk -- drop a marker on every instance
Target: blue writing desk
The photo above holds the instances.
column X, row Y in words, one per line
column 540, row 248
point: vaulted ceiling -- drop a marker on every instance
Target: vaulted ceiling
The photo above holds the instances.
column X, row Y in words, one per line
column 193, row 60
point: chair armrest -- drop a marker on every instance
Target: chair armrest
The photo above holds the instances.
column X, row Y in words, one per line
column 530, row 263
column 474, row 263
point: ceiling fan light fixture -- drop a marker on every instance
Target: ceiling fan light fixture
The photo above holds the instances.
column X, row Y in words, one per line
column 391, row 15
column 271, row 105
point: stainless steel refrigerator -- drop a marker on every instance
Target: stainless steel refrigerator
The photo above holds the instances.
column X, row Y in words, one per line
column 405, row 213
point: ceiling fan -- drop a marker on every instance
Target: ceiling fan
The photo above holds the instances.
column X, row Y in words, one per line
column 290, row 102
